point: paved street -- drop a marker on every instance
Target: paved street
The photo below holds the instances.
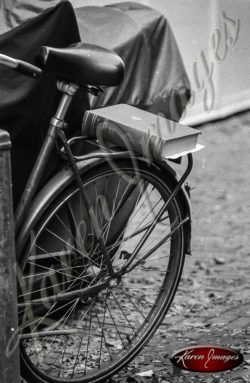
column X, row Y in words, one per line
column 212, row 305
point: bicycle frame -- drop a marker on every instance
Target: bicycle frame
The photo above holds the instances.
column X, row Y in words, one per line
column 57, row 122
column 55, row 132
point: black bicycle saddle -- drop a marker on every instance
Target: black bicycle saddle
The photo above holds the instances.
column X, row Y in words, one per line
column 83, row 64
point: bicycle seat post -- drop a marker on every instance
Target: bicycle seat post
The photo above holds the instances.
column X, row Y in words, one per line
column 68, row 90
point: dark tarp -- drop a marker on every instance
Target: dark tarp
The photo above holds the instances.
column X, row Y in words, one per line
column 14, row 12
column 155, row 77
column 26, row 105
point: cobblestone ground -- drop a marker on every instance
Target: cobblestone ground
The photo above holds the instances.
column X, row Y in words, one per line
column 212, row 305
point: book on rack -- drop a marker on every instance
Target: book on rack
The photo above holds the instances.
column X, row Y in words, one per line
column 139, row 131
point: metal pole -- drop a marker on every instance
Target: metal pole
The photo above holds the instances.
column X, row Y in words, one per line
column 9, row 350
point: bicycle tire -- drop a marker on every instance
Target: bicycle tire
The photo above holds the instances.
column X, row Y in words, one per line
column 40, row 359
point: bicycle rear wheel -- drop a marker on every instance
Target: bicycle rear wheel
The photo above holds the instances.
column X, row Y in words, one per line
column 78, row 324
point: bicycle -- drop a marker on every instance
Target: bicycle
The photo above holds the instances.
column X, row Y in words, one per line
column 104, row 230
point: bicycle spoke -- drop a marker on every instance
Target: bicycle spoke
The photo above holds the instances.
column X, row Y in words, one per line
column 112, row 212
column 59, row 272
column 121, row 309
column 99, row 323
column 103, row 322
column 134, row 305
column 119, row 239
column 77, row 356
column 87, row 348
column 68, row 244
column 117, row 330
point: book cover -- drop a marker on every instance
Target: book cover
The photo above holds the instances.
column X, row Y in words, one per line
column 140, row 131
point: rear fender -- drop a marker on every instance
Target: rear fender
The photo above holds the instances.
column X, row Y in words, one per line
column 64, row 178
